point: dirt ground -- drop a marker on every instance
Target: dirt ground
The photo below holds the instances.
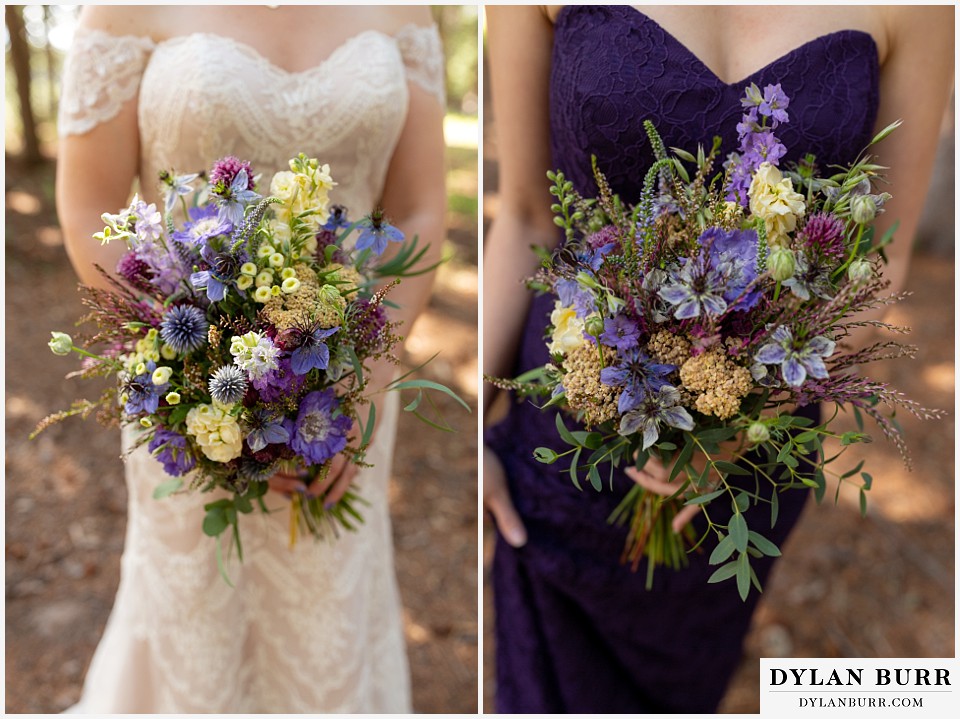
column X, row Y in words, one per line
column 846, row 586
column 66, row 501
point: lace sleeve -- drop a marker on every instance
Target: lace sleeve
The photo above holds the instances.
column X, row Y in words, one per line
column 101, row 73
column 423, row 58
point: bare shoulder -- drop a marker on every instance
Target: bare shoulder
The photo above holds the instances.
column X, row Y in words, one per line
column 399, row 16
column 138, row 20
column 911, row 24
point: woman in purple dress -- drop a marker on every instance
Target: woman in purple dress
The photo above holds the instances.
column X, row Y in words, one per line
column 577, row 631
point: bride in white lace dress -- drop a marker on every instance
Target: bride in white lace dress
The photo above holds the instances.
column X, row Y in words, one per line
column 317, row 628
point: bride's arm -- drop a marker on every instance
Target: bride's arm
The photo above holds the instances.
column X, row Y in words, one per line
column 521, row 39
column 96, row 167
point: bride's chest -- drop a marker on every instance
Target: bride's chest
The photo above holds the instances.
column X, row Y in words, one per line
column 211, row 94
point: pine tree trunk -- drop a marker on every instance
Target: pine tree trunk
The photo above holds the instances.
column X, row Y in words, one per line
column 20, row 58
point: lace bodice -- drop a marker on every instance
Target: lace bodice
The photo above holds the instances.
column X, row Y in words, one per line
column 203, row 96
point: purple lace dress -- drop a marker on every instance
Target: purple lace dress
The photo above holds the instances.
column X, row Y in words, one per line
column 577, row 631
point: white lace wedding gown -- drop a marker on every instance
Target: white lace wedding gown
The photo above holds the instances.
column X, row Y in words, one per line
column 313, row 629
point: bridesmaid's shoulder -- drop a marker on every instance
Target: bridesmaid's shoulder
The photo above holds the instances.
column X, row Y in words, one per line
column 396, row 17
column 909, row 24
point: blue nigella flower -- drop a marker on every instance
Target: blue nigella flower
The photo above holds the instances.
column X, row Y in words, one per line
column 235, row 198
column 265, row 428
column 313, row 352
column 807, row 278
column 176, row 186
column 375, row 232
column 638, row 375
column 656, row 408
column 142, row 394
column 319, row 432
column 337, row 219
column 184, row 328
column 620, row 332
column 170, row 449
column 206, row 223
column 228, row 384
column 796, row 359
column 697, row 286
column 224, row 269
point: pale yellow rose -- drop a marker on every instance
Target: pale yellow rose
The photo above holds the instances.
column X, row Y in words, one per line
column 567, row 330
column 217, row 432
column 773, row 199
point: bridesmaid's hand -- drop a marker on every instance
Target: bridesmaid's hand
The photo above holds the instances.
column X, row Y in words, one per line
column 655, row 477
column 496, row 499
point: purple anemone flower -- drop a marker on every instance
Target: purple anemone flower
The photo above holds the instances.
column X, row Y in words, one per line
column 638, row 375
column 170, row 449
column 796, row 359
column 620, row 332
column 656, row 408
column 320, row 431
column 206, row 223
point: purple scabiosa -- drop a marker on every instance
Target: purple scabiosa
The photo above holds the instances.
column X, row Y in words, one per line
column 141, row 394
column 696, row 286
column 734, row 254
column 279, row 383
column 228, row 384
column 797, row 358
column 376, row 232
column 822, row 235
column 264, row 428
column 170, row 449
column 205, row 223
column 184, row 328
column 620, row 332
column 320, row 431
column 656, row 408
column 638, row 374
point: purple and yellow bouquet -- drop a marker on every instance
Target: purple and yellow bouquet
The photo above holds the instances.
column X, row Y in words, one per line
column 689, row 326
column 241, row 340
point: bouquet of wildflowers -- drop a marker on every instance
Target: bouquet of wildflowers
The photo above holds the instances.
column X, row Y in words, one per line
column 241, row 340
column 698, row 319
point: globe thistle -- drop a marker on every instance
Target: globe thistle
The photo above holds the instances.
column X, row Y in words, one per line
column 184, row 328
column 228, row 384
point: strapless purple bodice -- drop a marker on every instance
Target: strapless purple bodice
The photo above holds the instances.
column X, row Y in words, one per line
column 613, row 68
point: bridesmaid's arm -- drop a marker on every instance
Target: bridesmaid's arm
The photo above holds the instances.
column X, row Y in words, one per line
column 915, row 82
column 521, row 41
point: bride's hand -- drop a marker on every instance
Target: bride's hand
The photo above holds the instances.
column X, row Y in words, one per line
column 655, row 477
column 496, row 499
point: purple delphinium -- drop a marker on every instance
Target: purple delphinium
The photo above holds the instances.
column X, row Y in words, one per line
column 620, row 332
column 758, row 144
column 170, row 449
column 184, row 328
column 149, row 223
column 142, row 394
column 656, row 408
column 264, row 428
column 319, row 432
column 822, row 235
column 375, row 233
column 696, row 286
column 774, row 104
column 638, row 374
column 797, row 359
column 206, row 223
column 278, row 383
